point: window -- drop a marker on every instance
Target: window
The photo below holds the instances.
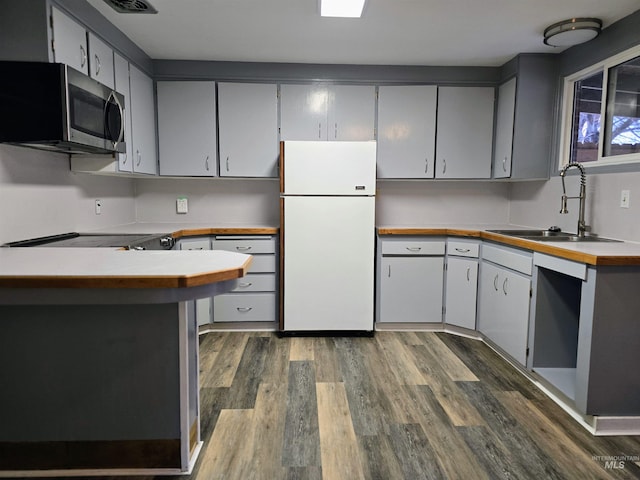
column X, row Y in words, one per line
column 609, row 90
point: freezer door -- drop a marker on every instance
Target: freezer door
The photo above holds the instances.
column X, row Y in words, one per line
column 329, row 168
column 328, row 263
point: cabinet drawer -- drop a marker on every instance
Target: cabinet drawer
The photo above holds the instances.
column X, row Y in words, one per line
column 462, row 249
column 250, row 246
column 412, row 247
column 265, row 282
column 263, row 264
column 195, row 243
column 255, row 307
column 508, row 257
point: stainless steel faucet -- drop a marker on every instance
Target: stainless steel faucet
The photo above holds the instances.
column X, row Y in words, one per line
column 582, row 226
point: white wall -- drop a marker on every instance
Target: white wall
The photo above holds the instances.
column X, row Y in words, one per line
column 423, row 203
column 232, row 202
column 40, row 196
column 537, row 204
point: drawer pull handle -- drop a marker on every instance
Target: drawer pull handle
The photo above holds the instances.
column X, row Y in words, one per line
column 389, row 274
column 444, row 166
column 245, row 285
column 206, row 163
column 468, row 273
column 504, row 285
column 504, row 164
column 98, row 65
column 243, row 249
column 414, row 249
column 83, row 56
column 495, row 282
column 463, row 250
column 426, row 165
column 244, row 309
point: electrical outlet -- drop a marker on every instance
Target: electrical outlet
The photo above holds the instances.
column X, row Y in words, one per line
column 625, row 198
column 182, row 205
column 98, row 206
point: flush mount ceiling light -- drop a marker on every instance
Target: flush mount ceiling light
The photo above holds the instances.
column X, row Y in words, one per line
column 572, row 32
column 341, row 8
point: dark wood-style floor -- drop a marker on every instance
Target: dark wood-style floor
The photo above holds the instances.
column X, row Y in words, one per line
column 395, row 406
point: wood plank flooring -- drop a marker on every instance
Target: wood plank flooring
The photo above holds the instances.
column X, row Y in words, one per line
column 408, row 405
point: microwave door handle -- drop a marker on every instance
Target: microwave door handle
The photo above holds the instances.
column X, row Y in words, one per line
column 113, row 99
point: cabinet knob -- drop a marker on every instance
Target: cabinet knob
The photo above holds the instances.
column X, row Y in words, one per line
column 504, row 164
column 468, row 274
column 227, row 163
column 245, row 285
column 463, row 250
column 426, row 165
column 244, row 309
column 83, row 56
column 504, row 285
column 444, row 166
column 414, row 249
column 97, row 64
column 206, row 163
column 139, row 158
column 243, row 248
column 495, row 282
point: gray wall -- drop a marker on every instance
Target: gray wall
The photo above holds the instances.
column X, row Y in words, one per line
column 40, row 196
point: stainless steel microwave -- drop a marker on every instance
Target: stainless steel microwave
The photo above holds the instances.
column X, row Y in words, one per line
column 51, row 106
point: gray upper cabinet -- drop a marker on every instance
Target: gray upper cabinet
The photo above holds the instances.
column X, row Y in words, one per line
column 187, row 128
column 248, row 129
column 100, row 61
column 406, row 131
column 524, row 123
column 504, row 129
column 143, row 143
column 465, row 132
column 321, row 112
column 351, row 113
column 69, row 42
column 121, row 70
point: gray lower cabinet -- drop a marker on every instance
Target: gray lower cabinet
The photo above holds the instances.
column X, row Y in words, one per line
column 202, row 306
column 255, row 297
column 504, row 299
column 409, row 280
column 461, row 284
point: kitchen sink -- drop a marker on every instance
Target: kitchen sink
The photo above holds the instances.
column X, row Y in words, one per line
column 551, row 236
column 530, row 233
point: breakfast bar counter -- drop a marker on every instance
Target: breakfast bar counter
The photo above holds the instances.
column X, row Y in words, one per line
column 99, row 360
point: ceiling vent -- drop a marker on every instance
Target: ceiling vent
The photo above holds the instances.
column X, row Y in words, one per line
column 131, row 6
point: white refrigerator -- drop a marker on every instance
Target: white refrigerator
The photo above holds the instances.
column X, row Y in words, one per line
column 327, row 236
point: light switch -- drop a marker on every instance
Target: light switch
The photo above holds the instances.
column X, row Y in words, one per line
column 182, row 205
column 624, row 199
column 98, row 206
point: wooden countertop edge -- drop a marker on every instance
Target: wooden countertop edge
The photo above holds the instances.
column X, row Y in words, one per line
column 589, row 259
column 225, row 231
column 115, row 281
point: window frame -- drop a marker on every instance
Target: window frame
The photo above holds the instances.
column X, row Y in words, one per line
column 568, row 101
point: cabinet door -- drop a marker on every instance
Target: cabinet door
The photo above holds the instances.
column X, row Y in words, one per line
column 406, row 131
column 411, row 289
column 187, row 128
column 248, row 126
column 143, row 144
column 504, row 309
column 504, row 129
column 462, row 283
column 70, row 42
column 303, row 112
column 121, row 71
column 202, row 305
column 465, row 132
column 100, row 61
column 351, row 113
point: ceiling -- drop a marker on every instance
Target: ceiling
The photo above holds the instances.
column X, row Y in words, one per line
column 391, row 32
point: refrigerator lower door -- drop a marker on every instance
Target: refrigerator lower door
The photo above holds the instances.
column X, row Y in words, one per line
column 329, row 263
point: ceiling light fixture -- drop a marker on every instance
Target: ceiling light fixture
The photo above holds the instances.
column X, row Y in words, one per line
column 572, row 32
column 341, row 8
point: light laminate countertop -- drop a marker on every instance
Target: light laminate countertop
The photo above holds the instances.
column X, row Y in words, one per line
column 41, row 267
column 179, row 230
column 591, row 253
